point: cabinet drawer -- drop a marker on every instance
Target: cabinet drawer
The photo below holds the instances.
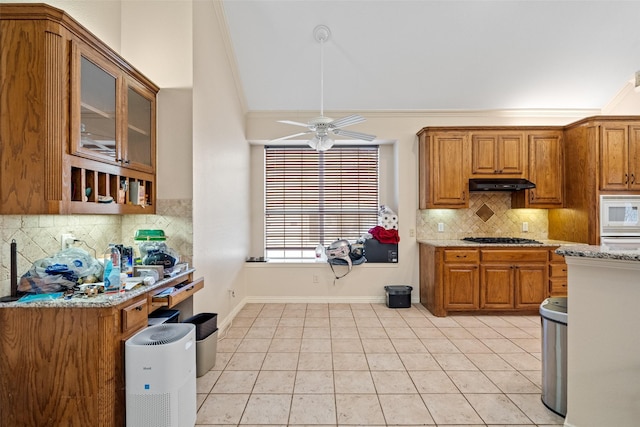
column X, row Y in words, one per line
column 558, row 287
column 506, row 255
column 134, row 316
column 554, row 257
column 558, row 270
column 185, row 291
column 462, row 255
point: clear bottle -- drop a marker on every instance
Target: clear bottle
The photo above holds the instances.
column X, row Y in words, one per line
column 111, row 269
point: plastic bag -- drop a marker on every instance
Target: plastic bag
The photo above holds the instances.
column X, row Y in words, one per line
column 60, row 272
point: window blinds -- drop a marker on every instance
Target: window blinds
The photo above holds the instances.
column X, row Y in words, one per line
column 316, row 198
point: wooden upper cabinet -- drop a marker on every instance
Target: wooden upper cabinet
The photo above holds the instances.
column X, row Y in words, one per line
column 546, row 171
column 443, row 169
column 619, row 157
column 78, row 122
column 501, row 154
column 113, row 117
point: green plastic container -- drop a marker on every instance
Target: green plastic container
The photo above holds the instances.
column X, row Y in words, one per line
column 150, row 236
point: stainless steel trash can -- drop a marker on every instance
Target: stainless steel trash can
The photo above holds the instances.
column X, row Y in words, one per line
column 553, row 312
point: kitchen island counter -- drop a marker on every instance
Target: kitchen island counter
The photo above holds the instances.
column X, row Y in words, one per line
column 603, row 342
column 601, row 252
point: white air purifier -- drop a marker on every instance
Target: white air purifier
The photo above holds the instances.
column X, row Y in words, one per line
column 160, row 376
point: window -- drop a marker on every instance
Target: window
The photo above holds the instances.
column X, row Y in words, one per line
column 316, row 198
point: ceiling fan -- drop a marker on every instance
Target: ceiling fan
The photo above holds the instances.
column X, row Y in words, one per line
column 323, row 127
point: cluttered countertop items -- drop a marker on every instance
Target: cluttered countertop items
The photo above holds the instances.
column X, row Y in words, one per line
column 73, row 277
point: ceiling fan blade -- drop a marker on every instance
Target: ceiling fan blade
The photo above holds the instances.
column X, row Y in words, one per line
column 352, row 134
column 290, row 122
column 347, row 121
column 291, row 136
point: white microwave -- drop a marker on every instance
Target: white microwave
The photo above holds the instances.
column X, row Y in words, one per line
column 619, row 216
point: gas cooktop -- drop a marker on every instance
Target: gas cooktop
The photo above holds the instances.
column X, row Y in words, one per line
column 502, row 240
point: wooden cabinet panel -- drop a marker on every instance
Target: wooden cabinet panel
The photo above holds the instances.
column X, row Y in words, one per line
column 620, row 157
column 496, row 286
column 461, row 287
column 614, row 152
column 461, row 255
column 134, row 316
column 186, row 290
column 530, row 281
column 513, row 255
column 498, row 153
column 634, row 158
column 557, row 275
column 443, row 169
column 546, row 169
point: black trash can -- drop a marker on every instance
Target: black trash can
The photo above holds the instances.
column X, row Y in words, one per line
column 398, row 296
column 206, row 341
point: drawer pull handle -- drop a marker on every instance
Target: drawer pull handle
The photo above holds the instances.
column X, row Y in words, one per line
column 461, row 256
column 190, row 288
column 139, row 308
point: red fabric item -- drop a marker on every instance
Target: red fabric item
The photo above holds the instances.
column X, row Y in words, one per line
column 383, row 235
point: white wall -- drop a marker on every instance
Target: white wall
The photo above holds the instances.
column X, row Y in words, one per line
column 220, row 167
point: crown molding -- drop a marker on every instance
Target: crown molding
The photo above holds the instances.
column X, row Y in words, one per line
column 538, row 113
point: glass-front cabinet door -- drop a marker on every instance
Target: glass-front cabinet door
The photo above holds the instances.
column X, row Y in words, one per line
column 140, row 133
column 113, row 116
column 95, row 115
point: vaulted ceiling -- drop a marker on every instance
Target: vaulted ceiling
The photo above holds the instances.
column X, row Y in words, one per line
column 434, row 55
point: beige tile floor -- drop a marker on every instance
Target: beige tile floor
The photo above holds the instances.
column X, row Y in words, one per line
column 366, row 364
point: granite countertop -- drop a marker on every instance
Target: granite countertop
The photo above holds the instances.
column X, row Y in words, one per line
column 601, row 252
column 99, row 301
column 465, row 244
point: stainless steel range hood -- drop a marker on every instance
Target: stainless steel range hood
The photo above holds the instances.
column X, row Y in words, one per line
column 500, row 184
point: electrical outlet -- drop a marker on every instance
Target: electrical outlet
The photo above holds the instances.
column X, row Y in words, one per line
column 66, row 240
column 316, row 278
column 232, row 293
column 412, row 232
column 440, row 227
column 525, row 227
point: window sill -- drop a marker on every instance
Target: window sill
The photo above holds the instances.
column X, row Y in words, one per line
column 276, row 264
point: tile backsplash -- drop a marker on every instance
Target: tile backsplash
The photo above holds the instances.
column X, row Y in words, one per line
column 489, row 214
column 38, row 236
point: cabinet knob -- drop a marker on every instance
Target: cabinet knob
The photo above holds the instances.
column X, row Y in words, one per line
column 139, row 308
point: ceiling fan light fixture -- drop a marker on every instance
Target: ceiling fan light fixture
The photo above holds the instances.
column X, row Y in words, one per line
column 321, row 143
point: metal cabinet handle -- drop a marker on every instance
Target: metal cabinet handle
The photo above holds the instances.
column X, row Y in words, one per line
column 633, row 179
column 461, row 256
column 626, row 178
column 139, row 308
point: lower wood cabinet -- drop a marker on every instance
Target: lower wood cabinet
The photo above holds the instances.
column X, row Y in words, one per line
column 63, row 365
column 485, row 279
column 557, row 275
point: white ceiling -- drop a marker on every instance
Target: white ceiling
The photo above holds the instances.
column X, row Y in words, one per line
column 434, row 55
